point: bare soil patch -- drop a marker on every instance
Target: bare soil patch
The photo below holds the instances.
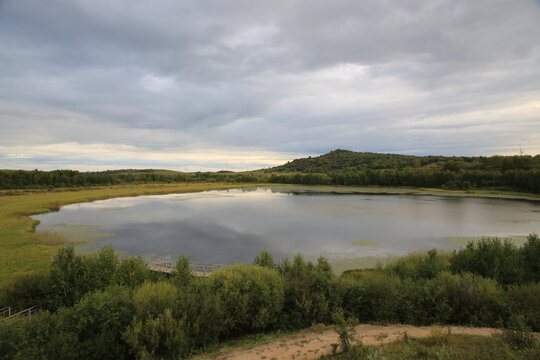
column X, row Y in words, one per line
column 312, row 345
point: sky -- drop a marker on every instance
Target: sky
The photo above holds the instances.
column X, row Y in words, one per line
column 243, row 84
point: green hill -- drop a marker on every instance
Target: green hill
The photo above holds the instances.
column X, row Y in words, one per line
column 342, row 167
column 344, row 161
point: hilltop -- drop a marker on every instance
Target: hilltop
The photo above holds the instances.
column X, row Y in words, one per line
column 345, row 160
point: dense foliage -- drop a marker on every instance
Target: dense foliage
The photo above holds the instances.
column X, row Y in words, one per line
column 339, row 167
column 99, row 306
column 21, row 179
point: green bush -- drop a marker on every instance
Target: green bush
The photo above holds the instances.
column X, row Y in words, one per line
column 99, row 269
column 264, row 259
column 530, row 253
column 24, row 291
column 490, row 258
column 44, row 336
column 161, row 337
column 151, row 299
column 72, row 275
column 350, row 293
column 131, row 272
column 67, row 278
column 182, row 274
column 309, row 292
column 464, row 299
column 379, row 298
column 100, row 319
column 525, row 300
column 251, row 297
column 419, row 265
column 202, row 313
column 518, row 335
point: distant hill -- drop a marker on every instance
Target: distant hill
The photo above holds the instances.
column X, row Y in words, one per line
column 347, row 161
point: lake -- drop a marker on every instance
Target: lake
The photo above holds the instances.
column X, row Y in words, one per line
column 234, row 225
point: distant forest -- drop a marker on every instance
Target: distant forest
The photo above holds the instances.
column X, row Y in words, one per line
column 339, row 167
column 23, row 179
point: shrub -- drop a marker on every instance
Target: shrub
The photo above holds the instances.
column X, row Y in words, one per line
column 530, row 253
column 151, row 299
column 380, row 298
column 518, row 335
column 251, row 297
column 345, row 329
column 181, row 274
column 202, row 314
column 99, row 269
column 350, row 292
column 131, row 272
column 162, row 337
column 100, row 319
column 490, row 258
column 309, row 292
column 525, row 300
column 264, row 259
column 73, row 275
column 24, row 291
column 66, row 280
column 419, row 265
column 44, row 336
column 464, row 299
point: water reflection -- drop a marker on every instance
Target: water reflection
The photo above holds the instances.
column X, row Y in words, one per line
column 233, row 225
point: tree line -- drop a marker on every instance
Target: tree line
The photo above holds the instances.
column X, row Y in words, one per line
column 21, row 179
column 513, row 180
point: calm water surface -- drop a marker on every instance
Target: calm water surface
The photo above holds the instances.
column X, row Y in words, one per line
column 233, row 225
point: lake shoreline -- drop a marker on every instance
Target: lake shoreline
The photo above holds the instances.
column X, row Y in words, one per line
column 382, row 190
column 23, row 253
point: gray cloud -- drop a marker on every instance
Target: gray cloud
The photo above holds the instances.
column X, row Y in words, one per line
column 301, row 77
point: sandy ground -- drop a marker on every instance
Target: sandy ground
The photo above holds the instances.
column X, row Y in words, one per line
column 313, row 344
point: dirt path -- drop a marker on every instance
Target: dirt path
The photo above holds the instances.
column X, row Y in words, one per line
column 313, row 344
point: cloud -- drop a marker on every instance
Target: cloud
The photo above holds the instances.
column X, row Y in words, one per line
column 304, row 77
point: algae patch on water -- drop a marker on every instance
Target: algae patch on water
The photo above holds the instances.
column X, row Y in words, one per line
column 364, row 243
column 464, row 240
column 77, row 233
column 365, row 262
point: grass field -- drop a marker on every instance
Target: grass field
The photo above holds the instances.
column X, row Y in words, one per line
column 23, row 251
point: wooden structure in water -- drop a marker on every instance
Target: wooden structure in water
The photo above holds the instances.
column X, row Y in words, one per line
column 165, row 264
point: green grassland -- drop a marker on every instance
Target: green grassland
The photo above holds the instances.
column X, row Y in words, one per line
column 23, row 250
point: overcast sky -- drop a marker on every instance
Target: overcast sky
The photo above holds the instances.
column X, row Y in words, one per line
column 100, row 84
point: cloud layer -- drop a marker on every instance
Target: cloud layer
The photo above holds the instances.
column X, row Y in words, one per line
column 242, row 84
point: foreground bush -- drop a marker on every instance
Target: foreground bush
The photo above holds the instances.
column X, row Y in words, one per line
column 524, row 300
column 309, row 292
column 131, row 272
column 161, row 337
column 151, row 299
column 463, row 299
column 24, row 291
column 491, row 258
column 121, row 310
column 419, row 265
column 251, row 297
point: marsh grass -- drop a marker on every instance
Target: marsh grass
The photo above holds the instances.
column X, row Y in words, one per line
column 50, row 239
